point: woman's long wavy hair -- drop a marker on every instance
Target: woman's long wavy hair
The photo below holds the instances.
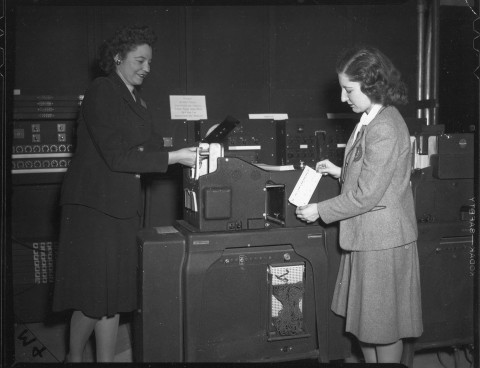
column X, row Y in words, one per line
column 378, row 77
column 124, row 40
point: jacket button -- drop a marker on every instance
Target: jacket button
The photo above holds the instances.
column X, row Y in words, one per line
column 137, row 176
column 140, row 148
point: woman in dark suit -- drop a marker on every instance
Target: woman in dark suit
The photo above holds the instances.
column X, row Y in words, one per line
column 101, row 195
column 378, row 284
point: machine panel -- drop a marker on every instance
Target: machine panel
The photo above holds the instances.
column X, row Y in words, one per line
column 239, row 196
column 222, row 301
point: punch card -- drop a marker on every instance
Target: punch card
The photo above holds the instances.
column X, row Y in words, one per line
column 306, row 185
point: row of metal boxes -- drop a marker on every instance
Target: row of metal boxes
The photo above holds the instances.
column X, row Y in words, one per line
column 43, row 137
column 445, row 205
column 43, row 143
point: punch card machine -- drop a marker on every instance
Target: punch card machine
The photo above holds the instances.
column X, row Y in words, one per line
column 240, row 278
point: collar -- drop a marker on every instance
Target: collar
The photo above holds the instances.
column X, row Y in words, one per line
column 367, row 118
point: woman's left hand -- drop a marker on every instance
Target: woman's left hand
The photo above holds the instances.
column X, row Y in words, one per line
column 307, row 213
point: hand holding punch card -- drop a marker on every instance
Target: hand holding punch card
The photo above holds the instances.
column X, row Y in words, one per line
column 306, row 185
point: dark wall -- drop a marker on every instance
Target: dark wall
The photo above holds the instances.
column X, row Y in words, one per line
column 52, row 50
column 244, row 59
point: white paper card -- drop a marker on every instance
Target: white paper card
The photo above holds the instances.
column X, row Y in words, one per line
column 306, row 185
column 268, row 116
column 188, row 108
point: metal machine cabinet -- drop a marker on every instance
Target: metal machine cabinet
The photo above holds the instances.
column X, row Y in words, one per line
column 455, row 157
column 447, row 267
column 445, row 208
column 440, row 200
column 215, row 296
column 240, row 196
column 157, row 327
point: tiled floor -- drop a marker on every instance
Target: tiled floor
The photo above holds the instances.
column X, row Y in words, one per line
column 46, row 343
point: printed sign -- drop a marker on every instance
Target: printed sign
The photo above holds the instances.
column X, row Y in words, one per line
column 188, row 108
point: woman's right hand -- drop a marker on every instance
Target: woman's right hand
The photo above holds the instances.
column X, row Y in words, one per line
column 325, row 167
column 184, row 156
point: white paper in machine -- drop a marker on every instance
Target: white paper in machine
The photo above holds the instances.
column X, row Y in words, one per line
column 305, row 187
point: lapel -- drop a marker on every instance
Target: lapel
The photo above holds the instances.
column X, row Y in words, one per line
column 351, row 144
column 127, row 96
column 138, row 99
column 351, row 148
column 353, row 151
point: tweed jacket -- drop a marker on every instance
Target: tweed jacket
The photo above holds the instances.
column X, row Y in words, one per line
column 116, row 142
column 375, row 207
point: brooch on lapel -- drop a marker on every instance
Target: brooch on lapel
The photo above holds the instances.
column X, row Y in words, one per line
column 358, row 153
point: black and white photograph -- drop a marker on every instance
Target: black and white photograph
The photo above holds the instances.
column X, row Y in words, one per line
column 282, row 183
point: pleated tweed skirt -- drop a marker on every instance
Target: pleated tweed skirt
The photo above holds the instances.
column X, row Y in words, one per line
column 96, row 264
column 378, row 292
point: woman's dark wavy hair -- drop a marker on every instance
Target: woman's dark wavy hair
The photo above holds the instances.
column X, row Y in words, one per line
column 378, row 77
column 122, row 42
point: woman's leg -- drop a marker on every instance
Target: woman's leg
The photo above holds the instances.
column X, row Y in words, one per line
column 391, row 353
column 369, row 352
column 81, row 327
column 106, row 330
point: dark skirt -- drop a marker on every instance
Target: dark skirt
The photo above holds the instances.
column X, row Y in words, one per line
column 96, row 264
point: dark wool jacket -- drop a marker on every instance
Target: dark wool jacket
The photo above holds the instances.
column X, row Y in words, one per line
column 116, row 142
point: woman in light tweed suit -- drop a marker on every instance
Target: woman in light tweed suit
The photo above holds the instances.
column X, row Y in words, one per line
column 378, row 283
